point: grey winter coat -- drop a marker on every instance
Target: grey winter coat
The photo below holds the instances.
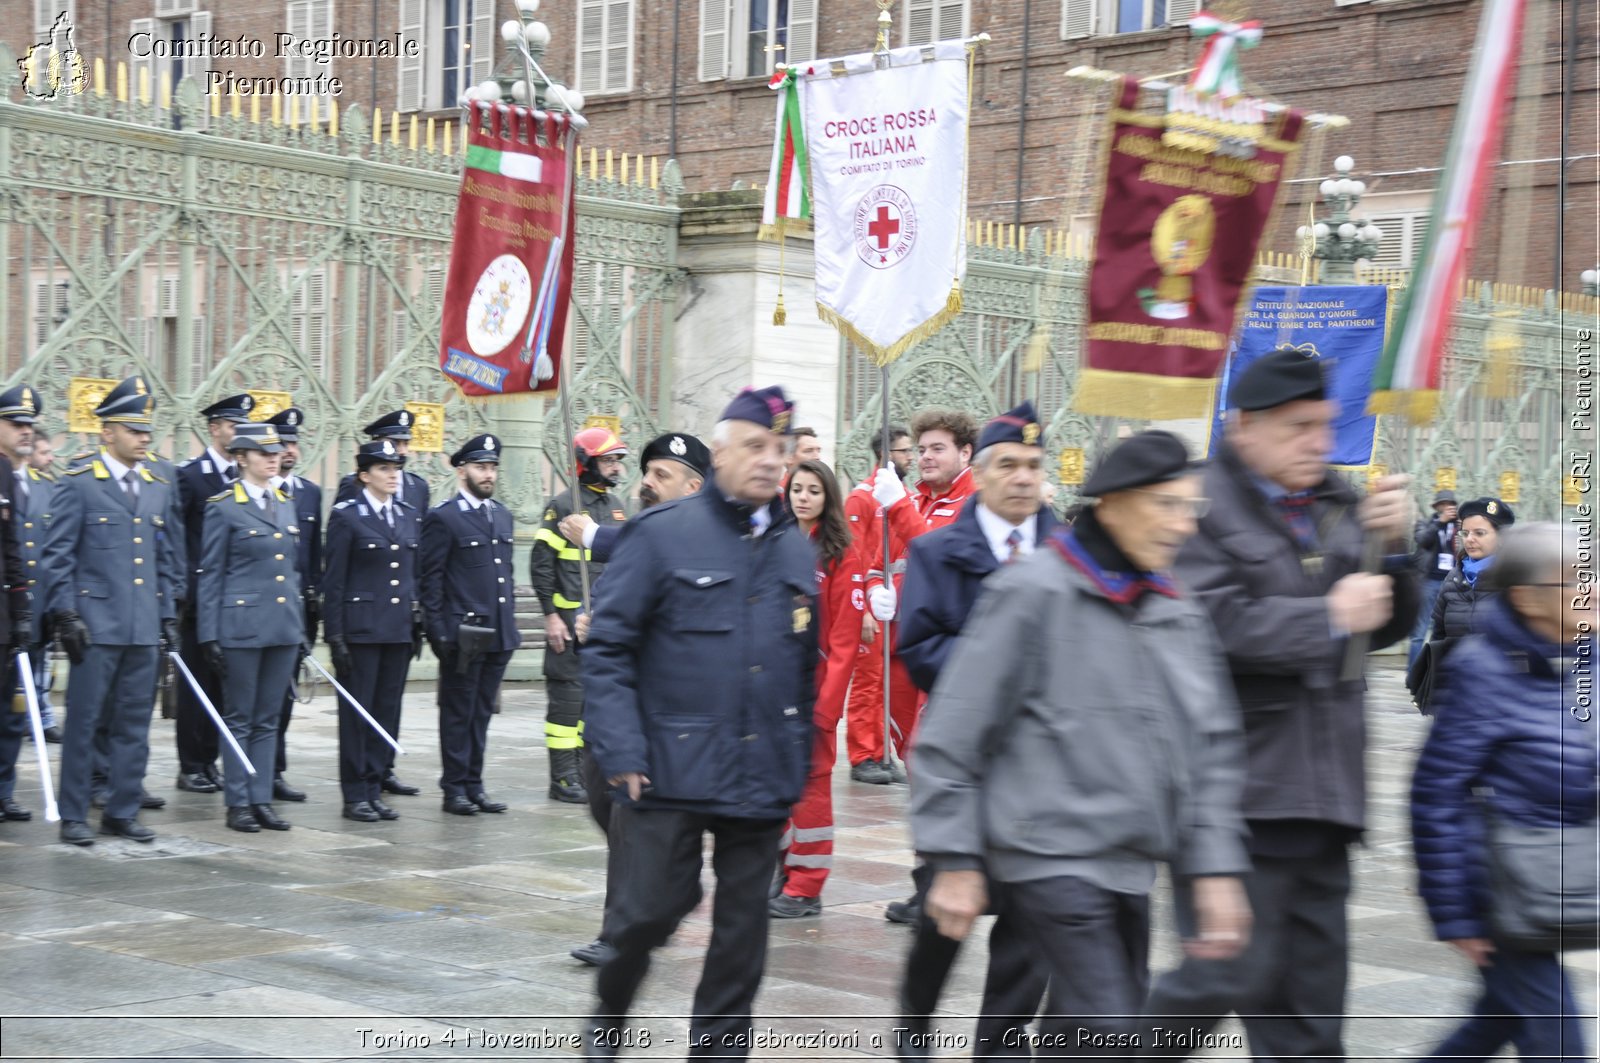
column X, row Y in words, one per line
column 1066, row 732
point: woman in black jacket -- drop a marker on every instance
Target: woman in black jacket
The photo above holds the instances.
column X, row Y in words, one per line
column 1462, row 596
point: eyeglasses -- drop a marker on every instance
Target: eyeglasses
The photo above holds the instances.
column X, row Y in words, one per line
column 1177, row 505
column 900, row 450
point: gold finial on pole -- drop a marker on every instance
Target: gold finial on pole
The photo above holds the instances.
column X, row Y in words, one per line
column 885, row 21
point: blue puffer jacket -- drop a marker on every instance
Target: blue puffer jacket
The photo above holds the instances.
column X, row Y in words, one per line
column 1504, row 725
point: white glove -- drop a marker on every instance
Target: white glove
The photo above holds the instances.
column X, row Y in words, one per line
column 887, row 488
column 884, row 603
column 543, row 368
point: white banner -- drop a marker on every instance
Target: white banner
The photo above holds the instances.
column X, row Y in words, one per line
column 888, row 161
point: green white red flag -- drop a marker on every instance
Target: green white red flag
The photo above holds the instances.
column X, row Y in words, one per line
column 788, row 193
column 1407, row 380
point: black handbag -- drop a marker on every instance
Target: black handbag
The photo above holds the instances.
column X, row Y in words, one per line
column 1544, row 886
column 1423, row 675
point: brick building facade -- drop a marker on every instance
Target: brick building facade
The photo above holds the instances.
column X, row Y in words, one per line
column 687, row 78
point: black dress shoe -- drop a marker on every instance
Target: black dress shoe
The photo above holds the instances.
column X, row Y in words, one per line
column 393, row 785
column 242, row 819
column 383, row 810
column 906, row 912
column 268, row 818
column 460, row 806
column 214, row 775
column 130, row 829
column 197, row 782
column 76, row 832
column 52, row 735
column 282, row 791
column 486, row 805
column 596, row 953
column 360, row 811
column 150, row 800
column 9, row 809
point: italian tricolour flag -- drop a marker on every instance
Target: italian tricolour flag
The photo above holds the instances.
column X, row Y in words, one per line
column 510, row 163
column 1407, row 380
column 788, row 193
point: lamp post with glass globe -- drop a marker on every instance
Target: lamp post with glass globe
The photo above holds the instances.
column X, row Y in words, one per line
column 1341, row 240
column 510, row 83
column 1591, row 281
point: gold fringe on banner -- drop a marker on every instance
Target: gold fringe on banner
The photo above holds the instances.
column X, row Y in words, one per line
column 882, row 356
column 1146, row 396
column 1418, row 407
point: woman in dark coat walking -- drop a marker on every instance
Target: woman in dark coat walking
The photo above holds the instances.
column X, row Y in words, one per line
column 1462, row 596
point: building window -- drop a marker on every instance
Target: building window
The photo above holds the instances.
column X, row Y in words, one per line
column 167, row 35
column 1086, row 18
column 1403, row 219
column 308, row 20
column 455, row 50
column 605, row 46
column 748, row 38
column 927, row 21
column 45, row 13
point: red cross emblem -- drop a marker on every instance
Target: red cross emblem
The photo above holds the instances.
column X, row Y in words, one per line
column 885, row 226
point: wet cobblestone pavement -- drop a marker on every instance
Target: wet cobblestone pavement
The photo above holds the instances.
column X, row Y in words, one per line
column 446, row 937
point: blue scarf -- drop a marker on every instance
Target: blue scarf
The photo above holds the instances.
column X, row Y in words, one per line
column 1471, row 568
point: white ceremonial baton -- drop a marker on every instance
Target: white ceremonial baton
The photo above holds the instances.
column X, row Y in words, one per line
column 354, row 704
column 216, row 717
column 46, row 784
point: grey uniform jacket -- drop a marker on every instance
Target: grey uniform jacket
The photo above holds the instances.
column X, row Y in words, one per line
column 111, row 560
column 1066, row 737
column 248, row 589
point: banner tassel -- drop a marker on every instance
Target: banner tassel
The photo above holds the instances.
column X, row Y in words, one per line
column 780, row 316
column 952, row 305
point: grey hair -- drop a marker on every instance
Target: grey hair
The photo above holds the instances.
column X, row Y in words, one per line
column 719, row 433
column 1533, row 553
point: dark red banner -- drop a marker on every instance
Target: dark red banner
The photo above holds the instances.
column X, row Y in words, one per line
column 510, row 281
column 1176, row 243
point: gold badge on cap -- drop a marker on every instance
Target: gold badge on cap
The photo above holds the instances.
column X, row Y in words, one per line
column 1030, row 433
column 1492, row 508
column 780, row 421
column 138, row 386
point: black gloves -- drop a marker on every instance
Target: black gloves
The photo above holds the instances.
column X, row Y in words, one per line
column 215, row 658
column 305, row 650
column 21, row 630
column 340, row 650
column 417, row 631
column 169, row 636
column 73, row 633
column 313, row 614
column 441, row 649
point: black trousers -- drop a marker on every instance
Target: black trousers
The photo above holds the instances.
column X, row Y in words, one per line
column 196, row 733
column 465, row 704
column 1288, row 985
column 563, row 686
column 377, row 679
column 600, row 811
column 1013, row 985
column 659, row 884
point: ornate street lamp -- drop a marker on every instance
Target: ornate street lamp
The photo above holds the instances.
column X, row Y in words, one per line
column 509, row 83
column 1591, row 281
column 1341, row 240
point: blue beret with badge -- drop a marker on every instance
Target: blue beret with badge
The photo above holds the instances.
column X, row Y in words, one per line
column 288, row 423
column 767, row 407
column 1492, row 510
column 379, row 452
column 20, row 404
column 1019, row 425
column 233, row 408
column 396, row 425
column 130, row 402
column 479, row 448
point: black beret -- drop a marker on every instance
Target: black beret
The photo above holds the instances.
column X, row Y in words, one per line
column 1281, row 376
column 233, row 408
column 1492, row 510
column 479, row 448
column 678, row 446
column 379, row 452
column 1152, row 457
column 1020, row 425
column 767, row 407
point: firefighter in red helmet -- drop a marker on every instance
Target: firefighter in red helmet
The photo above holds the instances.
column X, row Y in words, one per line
column 599, row 454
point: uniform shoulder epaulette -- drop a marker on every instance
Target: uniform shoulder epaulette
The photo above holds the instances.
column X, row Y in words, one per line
column 221, row 496
column 346, row 504
column 403, row 503
column 78, row 470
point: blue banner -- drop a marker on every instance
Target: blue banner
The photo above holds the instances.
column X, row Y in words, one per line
column 1341, row 324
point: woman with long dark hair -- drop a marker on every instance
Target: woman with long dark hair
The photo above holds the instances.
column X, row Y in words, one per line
column 814, row 499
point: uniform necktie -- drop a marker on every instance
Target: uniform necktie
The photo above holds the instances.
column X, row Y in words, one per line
column 388, row 514
column 130, row 486
column 1014, row 540
column 488, row 517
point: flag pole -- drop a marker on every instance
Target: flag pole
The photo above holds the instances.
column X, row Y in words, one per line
column 880, row 61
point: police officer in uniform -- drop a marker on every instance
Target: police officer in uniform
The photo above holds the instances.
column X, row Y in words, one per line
column 20, row 408
column 396, row 428
column 466, row 581
column 371, row 589
column 199, row 479
column 307, row 499
column 250, row 617
column 558, row 581
column 17, row 410
column 110, row 572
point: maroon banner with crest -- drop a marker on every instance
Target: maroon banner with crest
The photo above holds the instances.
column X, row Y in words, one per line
column 510, row 280
column 1177, row 240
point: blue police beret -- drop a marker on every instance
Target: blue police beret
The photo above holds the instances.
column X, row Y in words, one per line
column 479, row 448
column 396, row 425
column 130, row 402
column 20, row 404
column 379, row 451
column 1020, row 425
column 680, row 447
column 767, row 407
column 288, row 423
column 1152, row 457
column 1492, row 510
column 256, row 435
column 232, row 408
column 1283, row 375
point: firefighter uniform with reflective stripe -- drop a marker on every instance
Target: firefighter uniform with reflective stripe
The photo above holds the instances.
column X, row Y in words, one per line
column 558, row 583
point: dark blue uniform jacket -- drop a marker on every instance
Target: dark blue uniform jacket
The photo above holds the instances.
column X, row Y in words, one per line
column 370, row 583
column 466, row 568
column 699, row 669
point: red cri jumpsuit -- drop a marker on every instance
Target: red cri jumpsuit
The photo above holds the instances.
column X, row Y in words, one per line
column 809, row 839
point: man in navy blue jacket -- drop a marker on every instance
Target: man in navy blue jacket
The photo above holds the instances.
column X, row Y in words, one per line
column 699, row 672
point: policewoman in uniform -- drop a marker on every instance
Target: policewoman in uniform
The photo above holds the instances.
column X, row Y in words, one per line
column 466, row 581
column 371, row 587
column 307, row 499
column 396, row 428
column 110, row 571
column 249, row 617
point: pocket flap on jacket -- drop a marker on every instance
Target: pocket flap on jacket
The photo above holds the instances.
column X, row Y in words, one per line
column 702, row 577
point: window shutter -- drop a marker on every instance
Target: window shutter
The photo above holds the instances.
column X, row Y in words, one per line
column 173, row 8
column 167, row 297
column 196, row 67
column 591, row 46
column 952, row 22
column 142, row 334
column 920, row 26
column 714, row 24
column 137, row 63
column 1179, row 12
column 801, row 47
column 408, row 73
column 199, row 354
column 309, row 313
column 485, row 32
column 619, row 45
column 1078, row 18
column 399, row 332
column 51, row 305
column 45, row 13
column 1402, row 239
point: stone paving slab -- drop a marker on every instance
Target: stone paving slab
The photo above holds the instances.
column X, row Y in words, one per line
column 212, row 944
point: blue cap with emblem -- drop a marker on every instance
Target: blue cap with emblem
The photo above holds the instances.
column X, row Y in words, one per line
column 767, row 407
column 256, row 435
column 396, row 425
column 379, row 452
column 233, row 408
column 479, row 448
column 288, row 423
column 20, row 404
column 1020, row 425
column 130, row 402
